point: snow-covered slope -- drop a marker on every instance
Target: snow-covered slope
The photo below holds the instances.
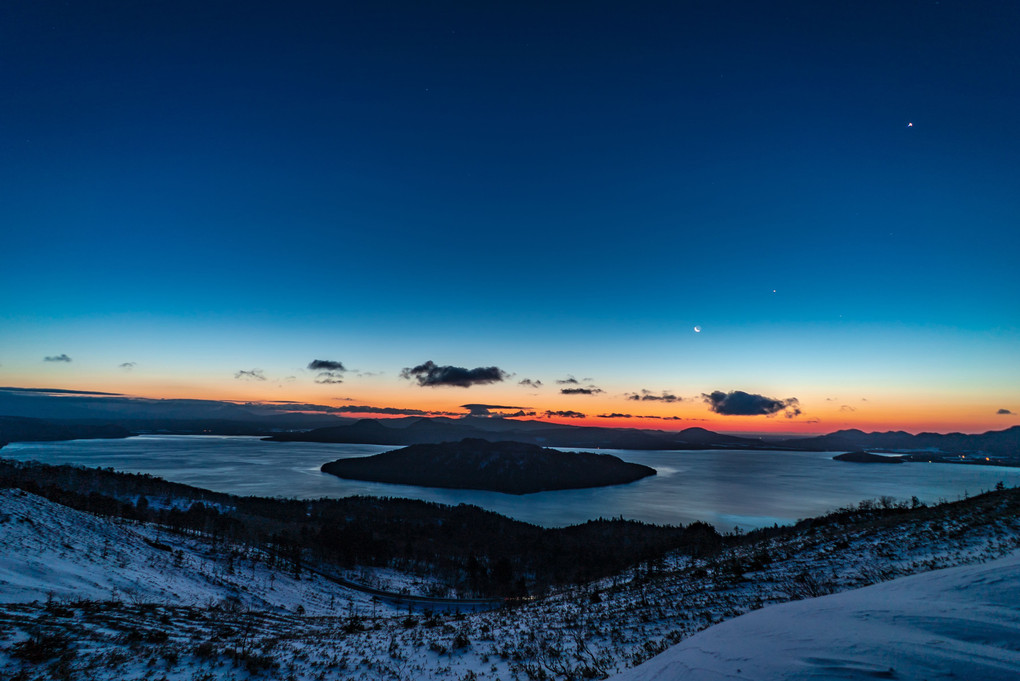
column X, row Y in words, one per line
column 118, row 600
column 49, row 551
column 961, row 623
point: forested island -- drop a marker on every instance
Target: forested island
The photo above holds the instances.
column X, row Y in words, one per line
column 509, row 467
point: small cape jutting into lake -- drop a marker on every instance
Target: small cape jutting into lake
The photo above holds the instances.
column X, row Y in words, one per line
column 868, row 457
column 509, row 467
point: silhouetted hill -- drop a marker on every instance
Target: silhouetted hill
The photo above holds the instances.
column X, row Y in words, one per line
column 150, row 415
column 436, row 430
column 17, row 429
column 510, row 467
column 1003, row 443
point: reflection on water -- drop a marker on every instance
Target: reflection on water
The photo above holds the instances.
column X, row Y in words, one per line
column 724, row 488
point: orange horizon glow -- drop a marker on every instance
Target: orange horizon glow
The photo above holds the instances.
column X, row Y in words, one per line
column 820, row 415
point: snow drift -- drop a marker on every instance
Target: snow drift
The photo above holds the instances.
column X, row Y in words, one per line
column 961, row 622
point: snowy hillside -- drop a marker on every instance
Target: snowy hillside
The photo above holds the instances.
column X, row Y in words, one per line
column 103, row 599
column 961, row 623
column 51, row 552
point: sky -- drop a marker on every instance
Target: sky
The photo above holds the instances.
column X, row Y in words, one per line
column 813, row 204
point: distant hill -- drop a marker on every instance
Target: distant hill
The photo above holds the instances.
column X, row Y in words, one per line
column 1003, row 443
column 510, row 467
column 16, row 429
column 149, row 415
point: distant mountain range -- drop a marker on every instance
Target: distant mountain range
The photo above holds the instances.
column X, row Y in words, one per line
column 1004, row 443
column 37, row 414
column 138, row 415
column 421, row 430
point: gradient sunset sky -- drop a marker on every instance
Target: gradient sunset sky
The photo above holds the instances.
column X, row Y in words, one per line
column 640, row 204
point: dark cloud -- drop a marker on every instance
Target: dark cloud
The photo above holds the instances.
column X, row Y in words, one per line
column 615, row 416
column 325, row 365
column 569, row 380
column 351, row 409
column 739, row 403
column 581, row 391
column 128, row 365
column 393, row 411
column 57, row 358
column 565, row 414
column 530, row 383
column 252, row 375
column 56, row 391
column 1004, row 412
column 487, row 409
column 431, row 375
column 659, row 418
column 330, row 372
column 649, row 396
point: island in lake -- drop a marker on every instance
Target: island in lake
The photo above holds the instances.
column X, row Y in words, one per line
column 509, row 467
column 867, row 457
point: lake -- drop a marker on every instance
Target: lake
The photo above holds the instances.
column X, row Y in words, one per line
column 727, row 488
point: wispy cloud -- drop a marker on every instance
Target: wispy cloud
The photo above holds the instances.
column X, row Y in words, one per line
column 649, row 396
column 530, row 383
column 351, row 408
column 57, row 358
column 430, row 374
column 127, row 366
column 1004, row 412
column 250, row 375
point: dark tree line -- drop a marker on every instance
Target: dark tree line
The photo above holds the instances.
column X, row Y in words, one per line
column 465, row 546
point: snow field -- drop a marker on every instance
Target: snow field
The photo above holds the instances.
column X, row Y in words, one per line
column 188, row 621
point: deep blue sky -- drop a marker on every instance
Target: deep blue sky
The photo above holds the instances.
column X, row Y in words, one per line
column 479, row 175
